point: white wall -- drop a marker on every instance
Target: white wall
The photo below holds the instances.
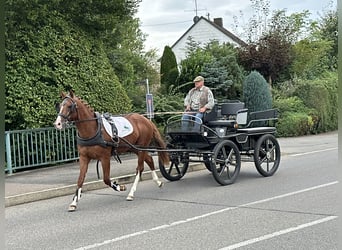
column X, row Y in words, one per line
column 202, row 32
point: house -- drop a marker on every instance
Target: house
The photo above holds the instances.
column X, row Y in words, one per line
column 203, row 31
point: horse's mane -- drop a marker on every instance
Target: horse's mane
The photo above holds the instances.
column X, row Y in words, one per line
column 85, row 103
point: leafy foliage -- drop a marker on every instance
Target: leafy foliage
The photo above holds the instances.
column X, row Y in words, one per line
column 310, row 58
column 256, row 93
column 327, row 30
column 50, row 62
column 168, row 69
column 321, row 95
column 58, row 45
column 308, row 107
column 217, row 63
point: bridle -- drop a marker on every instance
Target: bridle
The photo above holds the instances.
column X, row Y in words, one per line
column 72, row 109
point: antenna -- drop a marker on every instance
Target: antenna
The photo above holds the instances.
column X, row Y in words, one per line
column 196, row 9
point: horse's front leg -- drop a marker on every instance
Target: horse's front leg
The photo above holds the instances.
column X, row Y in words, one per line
column 84, row 161
column 106, row 176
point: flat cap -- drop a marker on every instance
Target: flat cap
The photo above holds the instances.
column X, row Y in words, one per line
column 199, row 79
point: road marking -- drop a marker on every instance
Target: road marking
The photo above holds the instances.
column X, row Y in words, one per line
column 313, row 152
column 106, row 242
column 278, row 233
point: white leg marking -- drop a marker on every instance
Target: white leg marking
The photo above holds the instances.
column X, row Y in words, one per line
column 133, row 188
column 75, row 199
column 156, row 179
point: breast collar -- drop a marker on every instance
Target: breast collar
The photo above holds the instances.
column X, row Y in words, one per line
column 97, row 139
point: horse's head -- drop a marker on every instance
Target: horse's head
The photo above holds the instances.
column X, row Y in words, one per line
column 67, row 110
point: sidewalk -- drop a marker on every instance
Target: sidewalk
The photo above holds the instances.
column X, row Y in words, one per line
column 49, row 182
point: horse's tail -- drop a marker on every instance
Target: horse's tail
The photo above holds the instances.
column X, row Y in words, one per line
column 163, row 155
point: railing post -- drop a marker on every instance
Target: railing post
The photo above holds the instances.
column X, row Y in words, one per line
column 8, row 152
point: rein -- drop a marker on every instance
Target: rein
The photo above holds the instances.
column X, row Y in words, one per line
column 85, row 120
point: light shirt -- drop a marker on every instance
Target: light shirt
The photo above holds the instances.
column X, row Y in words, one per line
column 193, row 98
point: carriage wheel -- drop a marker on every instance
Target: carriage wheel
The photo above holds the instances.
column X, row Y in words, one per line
column 267, row 155
column 226, row 162
column 177, row 168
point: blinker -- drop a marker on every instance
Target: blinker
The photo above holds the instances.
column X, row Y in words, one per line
column 57, row 107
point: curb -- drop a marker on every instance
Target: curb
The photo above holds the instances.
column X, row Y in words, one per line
column 87, row 186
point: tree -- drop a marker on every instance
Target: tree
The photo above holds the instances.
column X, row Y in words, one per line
column 218, row 64
column 256, row 92
column 328, row 31
column 310, row 58
column 168, row 69
column 272, row 54
column 46, row 53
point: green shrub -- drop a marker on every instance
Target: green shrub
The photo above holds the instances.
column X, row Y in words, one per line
column 321, row 95
column 256, row 92
column 290, row 104
column 41, row 62
column 295, row 124
column 309, row 106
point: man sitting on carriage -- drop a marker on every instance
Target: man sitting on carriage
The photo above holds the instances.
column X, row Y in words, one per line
column 199, row 100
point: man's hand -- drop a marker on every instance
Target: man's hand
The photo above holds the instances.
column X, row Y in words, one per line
column 202, row 110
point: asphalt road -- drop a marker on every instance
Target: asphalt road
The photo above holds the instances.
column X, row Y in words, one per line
column 294, row 209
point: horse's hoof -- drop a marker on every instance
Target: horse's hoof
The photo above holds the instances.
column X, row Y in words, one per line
column 129, row 198
column 161, row 184
column 123, row 188
column 72, row 208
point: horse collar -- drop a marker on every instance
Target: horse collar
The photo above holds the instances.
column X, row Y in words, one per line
column 97, row 139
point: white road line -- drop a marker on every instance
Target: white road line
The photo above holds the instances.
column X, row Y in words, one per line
column 106, row 242
column 313, row 152
column 278, row 233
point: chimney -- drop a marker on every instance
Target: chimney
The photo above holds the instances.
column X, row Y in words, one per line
column 218, row 21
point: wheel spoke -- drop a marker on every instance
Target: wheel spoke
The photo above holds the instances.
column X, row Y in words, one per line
column 263, row 159
column 170, row 168
column 230, row 153
column 177, row 168
column 224, row 153
column 222, row 170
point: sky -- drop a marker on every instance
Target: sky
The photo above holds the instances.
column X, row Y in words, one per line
column 164, row 21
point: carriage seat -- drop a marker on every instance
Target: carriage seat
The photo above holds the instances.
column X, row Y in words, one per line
column 211, row 115
column 230, row 113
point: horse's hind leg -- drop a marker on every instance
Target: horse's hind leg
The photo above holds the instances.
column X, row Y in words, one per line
column 139, row 170
column 84, row 161
column 130, row 196
column 150, row 163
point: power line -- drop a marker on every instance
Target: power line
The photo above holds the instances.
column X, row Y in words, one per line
column 161, row 24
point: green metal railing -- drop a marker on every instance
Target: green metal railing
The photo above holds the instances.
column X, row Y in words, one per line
column 39, row 147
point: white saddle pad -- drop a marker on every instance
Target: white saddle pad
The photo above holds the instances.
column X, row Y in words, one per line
column 123, row 126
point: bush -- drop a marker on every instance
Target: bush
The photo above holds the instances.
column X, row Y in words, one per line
column 321, row 95
column 295, row 124
column 256, row 92
column 41, row 62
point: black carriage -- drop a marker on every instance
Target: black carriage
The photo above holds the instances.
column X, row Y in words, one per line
column 227, row 135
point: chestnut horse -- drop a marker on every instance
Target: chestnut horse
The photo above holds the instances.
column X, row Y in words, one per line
column 89, row 125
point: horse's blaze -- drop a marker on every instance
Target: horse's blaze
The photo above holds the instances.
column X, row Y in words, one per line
column 58, row 123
